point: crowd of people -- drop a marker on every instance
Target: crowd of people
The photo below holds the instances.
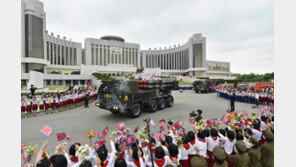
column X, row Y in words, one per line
column 247, row 94
column 246, row 141
column 51, row 102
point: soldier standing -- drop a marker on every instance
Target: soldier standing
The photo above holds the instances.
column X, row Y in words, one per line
column 86, row 97
column 267, row 150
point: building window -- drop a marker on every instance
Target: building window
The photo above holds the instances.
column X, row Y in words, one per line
column 63, row 56
column 51, row 57
column 75, row 57
column 55, row 54
column 71, row 57
column 105, row 58
column 59, row 56
column 92, row 56
column 97, row 57
column 67, row 56
column 101, row 56
column 47, row 50
column 108, row 54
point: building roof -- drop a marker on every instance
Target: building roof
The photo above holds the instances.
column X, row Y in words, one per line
column 112, row 37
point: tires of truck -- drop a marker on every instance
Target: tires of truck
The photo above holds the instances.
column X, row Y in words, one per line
column 135, row 110
column 161, row 104
column 196, row 91
column 152, row 107
column 169, row 101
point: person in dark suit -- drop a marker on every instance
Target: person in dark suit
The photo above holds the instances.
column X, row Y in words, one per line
column 86, row 97
column 232, row 100
column 32, row 89
column 198, row 115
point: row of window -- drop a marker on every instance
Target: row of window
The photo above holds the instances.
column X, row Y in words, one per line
column 61, row 55
column 104, row 56
column 171, row 61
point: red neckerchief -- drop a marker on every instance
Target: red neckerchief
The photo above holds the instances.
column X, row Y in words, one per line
column 266, row 122
column 74, row 159
column 121, row 155
column 186, row 146
column 258, row 130
column 167, row 146
column 230, row 140
column 153, row 150
column 192, row 142
column 105, row 164
column 214, row 138
column 160, row 162
column 202, row 140
column 171, row 157
column 137, row 162
column 132, row 148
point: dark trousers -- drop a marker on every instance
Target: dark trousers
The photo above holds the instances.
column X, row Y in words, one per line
column 232, row 106
column 86, row 103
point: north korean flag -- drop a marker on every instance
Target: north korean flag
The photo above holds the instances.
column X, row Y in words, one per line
column 25, row 156
column 105, row 131
column 61, row 136
column 130, row 140
column 68, row 137
column 156, row 136
column 123, row 148
column 46, row 131
column 151, row 123
column 99, row 135
column 178, row 124
column 162, row 136
column 99, row 144
column 23, row 145
column 136, row 129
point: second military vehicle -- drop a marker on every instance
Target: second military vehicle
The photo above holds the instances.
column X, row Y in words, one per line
column 131, row 97
column 202, row 86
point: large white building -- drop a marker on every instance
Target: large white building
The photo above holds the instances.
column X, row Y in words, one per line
column 49, row 59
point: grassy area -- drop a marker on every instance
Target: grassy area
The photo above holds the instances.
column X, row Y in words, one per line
column 180, row 82
column 55, row 87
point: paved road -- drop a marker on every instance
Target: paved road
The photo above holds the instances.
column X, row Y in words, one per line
column 76, row 122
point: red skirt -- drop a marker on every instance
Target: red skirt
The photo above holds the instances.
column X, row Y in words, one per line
column 210, row 160
column 35, row 107
column 185, row 163
column 190, row 157
column 41, row 107
column 23, row 109
column 46, row 106
column 229, row 162
column 51, row 105
column 56, row 105
column 28, row 108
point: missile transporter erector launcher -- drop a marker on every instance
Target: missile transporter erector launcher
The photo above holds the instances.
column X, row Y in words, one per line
column 132, row 97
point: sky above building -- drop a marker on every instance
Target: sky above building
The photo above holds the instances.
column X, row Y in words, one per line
column 238, row 31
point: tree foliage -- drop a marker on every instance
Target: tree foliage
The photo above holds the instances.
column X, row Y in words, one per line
column 252, row 77
column 103, row 77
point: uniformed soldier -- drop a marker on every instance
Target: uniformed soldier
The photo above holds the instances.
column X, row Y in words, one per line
column 241, row 159
column 254, row 153
column 219, row 156
column 198, row 161
column 267, row 150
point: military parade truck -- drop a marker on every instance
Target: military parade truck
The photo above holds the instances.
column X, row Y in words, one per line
column 201, row 86
column 132, row 97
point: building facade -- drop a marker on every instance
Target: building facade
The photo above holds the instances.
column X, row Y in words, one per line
column 188, row 59
column 56, row 60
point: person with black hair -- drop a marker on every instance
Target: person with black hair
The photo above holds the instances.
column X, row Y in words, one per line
column 165, row 146
column 120, row 162
column 102, row 156
column 213, row 141
column 241, row 159
column 198, row 115
column 254, row 153
column 192, row 143
column 228, row 141
column 45, row 162
column 58, row 160
column 85, row 164
column 174, row 154
column 119, row 152
column 267, row 150
column 138, row 159
column 257, row 132
column 185, row 151
column 264, row 122
column 201, row 143
column 160, row 159
column 73, row 159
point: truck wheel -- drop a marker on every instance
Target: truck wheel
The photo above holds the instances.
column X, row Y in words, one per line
column 152, row 107
column 161, row 104
column 196, row 91
column 169, row 101
column 135, row 111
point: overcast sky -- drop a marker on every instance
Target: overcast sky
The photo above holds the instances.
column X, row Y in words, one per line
column 238, row 31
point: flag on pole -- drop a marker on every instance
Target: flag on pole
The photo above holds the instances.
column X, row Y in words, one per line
column 124, row 147
column 99, row 135
column 162, row 120
column 156, row 137
column 151, row 123
column 162, row 136
column 25, row 156
column 178, row 124
column 105, row 131
column 46, row 131
column 61, row 136
column 99, row 144
column 23, row 145
column 130, row 140
column 68, row 137
column 191, row 120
